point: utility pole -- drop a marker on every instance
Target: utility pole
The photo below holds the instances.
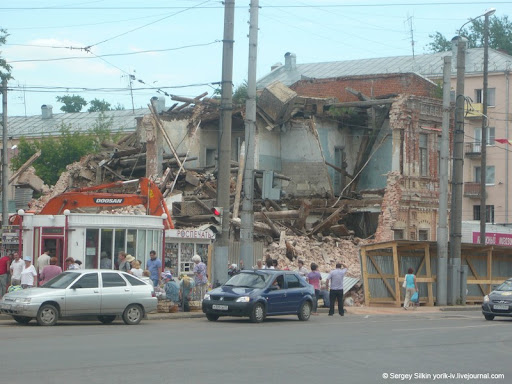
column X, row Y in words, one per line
column 457, row 181
column 442, row 230
column 220, row 261
column 5, row 173
column 247, row 216
column 483, row 166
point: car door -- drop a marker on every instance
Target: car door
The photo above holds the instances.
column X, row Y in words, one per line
column 116, row 293
column 83, row 296
column 294, row 293
column 276, row 298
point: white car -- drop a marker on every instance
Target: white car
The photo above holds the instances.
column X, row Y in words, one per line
column 100, row 293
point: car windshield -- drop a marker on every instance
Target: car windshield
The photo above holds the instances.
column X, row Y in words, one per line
column 61, row 281
column 506, row 286
column 248, row 280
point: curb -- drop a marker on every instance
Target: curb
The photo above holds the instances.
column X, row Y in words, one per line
column 461, row 308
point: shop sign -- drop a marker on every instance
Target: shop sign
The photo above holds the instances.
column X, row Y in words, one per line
column 190, row 234
column 503, row 239
column 10, row 238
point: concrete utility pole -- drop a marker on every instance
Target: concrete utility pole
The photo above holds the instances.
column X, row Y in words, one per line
column 247, row 225
column 442, row 230
column 220, row 260
column 5, row 173
column 483, row 171
column 457, row 181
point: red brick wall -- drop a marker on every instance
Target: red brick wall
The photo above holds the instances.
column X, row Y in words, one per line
column 371, row 85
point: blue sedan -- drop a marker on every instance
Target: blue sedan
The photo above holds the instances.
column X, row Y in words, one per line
column 260, row 293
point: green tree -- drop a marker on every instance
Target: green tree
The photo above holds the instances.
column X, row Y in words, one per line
column 500, row 36
column 240, row 94
column 439, row 43
column 5, row 69
column 98, row 105
column 72, row 104
column 60, row 151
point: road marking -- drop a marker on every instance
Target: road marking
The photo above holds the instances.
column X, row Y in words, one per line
column 447, row 328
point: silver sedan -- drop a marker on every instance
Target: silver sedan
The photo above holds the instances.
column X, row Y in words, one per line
column 104, row 294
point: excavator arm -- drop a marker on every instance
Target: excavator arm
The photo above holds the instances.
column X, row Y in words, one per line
column 150, row 197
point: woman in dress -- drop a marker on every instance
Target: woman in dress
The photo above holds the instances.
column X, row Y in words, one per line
column 200, row 278
column 29, row 274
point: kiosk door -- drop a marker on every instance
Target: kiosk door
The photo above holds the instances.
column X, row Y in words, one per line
column 56, row 247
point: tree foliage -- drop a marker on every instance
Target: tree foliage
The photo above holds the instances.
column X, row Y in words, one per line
column 240, row 94
column 72, row 104
column 5, row 69
column 58, row 152
column 97, row 105
column 500, row 36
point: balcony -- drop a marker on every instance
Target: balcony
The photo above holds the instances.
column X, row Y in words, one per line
column 472, row 190
column 473, row 150
column 475, row 111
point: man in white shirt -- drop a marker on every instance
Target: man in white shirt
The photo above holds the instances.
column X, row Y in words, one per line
column 17, row 266
column 43, row 261
column 335, row 277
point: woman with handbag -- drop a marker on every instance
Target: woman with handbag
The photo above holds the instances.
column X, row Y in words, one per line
column 410, row 287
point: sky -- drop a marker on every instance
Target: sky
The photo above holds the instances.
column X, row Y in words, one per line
column 92, row 48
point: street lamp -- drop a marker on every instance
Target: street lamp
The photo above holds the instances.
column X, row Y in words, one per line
column 483, row 166
column 457, row 170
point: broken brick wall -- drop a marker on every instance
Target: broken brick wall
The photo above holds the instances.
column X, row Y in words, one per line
column 370, row 85
column 411, row 201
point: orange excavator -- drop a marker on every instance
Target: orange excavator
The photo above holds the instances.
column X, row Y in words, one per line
column 149, row 196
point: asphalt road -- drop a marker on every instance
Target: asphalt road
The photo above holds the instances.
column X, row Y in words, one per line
column 350, row 349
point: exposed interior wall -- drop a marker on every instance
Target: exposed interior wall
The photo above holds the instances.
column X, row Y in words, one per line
column 374, row 175
column 302, row 160
column 269, row 149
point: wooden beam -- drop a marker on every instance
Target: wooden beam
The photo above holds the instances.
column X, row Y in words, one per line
column 363, row 104
column 365, row 276
column 25, row 165
column 335, row 216
column 396, row 272
column 489, row 269
column 269, row 222
column 201, row 204
column 430, row 291
column 160, row 126
column 239, row 181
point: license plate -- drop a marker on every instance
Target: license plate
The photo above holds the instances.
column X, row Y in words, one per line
column 5, row 306
column 501, row 307
column 220, row 307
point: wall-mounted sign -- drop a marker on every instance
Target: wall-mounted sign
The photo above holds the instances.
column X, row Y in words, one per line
column 53, row 231
column 190, row 234
column 503, row 239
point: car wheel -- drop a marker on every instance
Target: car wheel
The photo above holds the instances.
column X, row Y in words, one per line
column 212, row 317
column 22, row 319
column 47, row 315
column 489, row 317
column 132, row 314
column 305, row 311
column 107, row 319
column 258, row 313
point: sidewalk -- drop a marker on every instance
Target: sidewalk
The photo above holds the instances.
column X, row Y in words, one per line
column 363, row 310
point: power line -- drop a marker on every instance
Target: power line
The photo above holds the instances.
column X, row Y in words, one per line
column 114, row 54
column 368, row 5
column 145, row 25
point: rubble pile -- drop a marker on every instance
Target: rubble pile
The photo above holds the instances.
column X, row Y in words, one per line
column 325, row 252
